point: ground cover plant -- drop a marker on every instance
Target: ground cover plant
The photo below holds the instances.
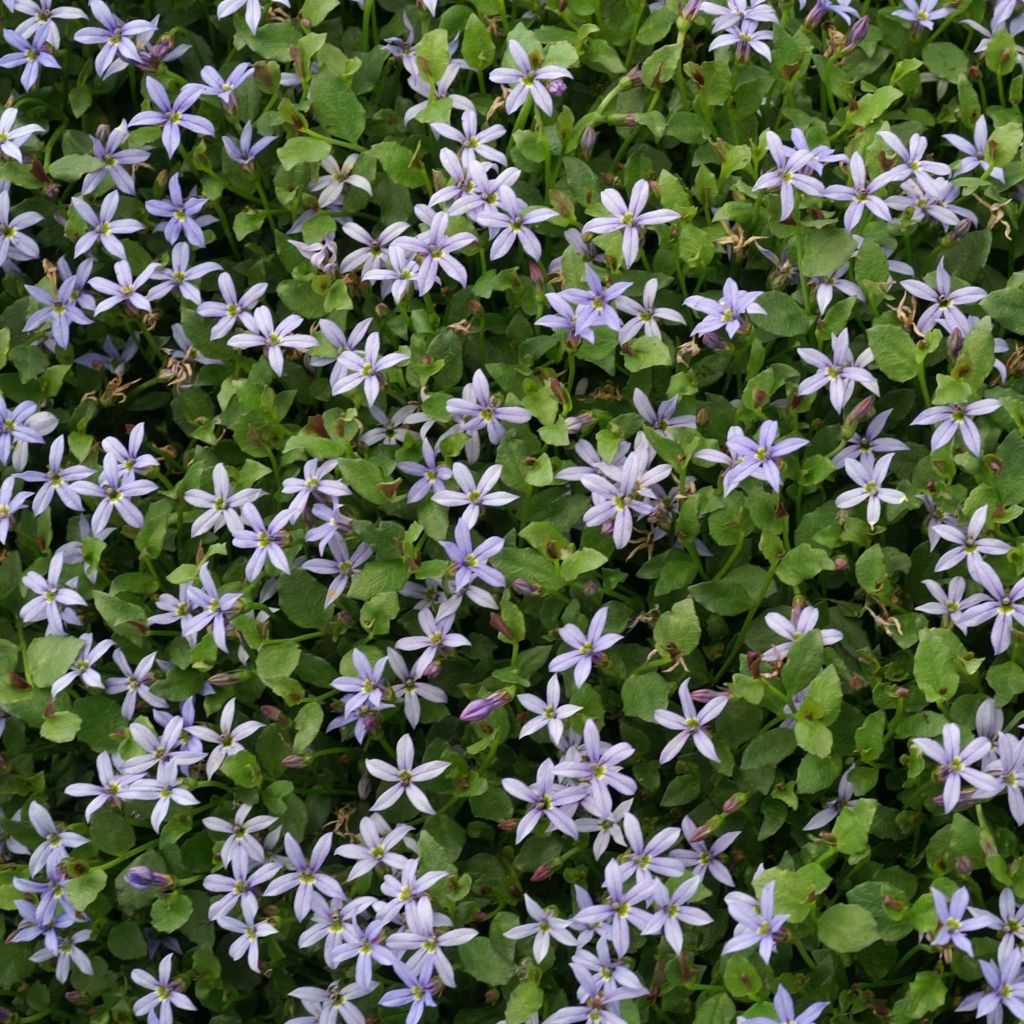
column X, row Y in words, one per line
column 511, row 511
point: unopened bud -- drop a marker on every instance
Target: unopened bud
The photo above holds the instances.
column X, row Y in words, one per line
column 524, row 588
column 507, row 825
column 860, row 411
column 141, row 877
column 591, row 588
column 365, row 787
column 891, row 903
column 588, row 140
column 988, row 845
column 734, row 803
column 703, row 832
column 293, row 761
column 557, row 87
column 901, row 692
column 574, row 424
column 635, row 75
column 857, row 32
column 477, row 710
column 705, row 694
column 223, row 678
column 841, row 563
column 964, row 864
column 536, row 275
column 961, row 230
column 542, row 874
column 491, row 996
column 270, row 713
column 74, row 997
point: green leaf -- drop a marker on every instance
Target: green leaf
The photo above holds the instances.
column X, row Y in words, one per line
column 526, row 999
column 126, row 941
column 936, row 663
column 1005, row 306
column 825, row 251
column 796, row 892
column 303, row 150
column 315, row 11
column 71, row 168
column 847, row 928
column 768, row 749
column 308, row 721
column 716, row 1009
column 170, row 912
column 646, row 693
column 49, row 657
column 336, row 107
column 678, row 629
column 243, row 769
column 61, row 727
column 977, row 355
column 101, row 718
column 852, row 826
column 432, row 55
column 661, row 65
column 1004, row 144
column 302, row 600
column 399, row 163
column 802, row 563
column 277, row 661
column 477, row 44
column 378, row 577
column 449, row 835
column 927, row 992
column 873, row 106
column 482, row 961
column 814, row 737
column 894, row 351
column 734, row 593
column 783, row 317
column 1001, row 52
column 115, row 610
column 579, row 562
column 110, row 833
column 945, row 61
column 82, row 891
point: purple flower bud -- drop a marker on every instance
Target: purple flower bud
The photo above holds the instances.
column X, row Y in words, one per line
column 141, row 877
column 734, row 803
column 293, row 761
column 861, row 410
column 365, row 787
column 557, row 87
column 964, row 865
column 691, row 10
column 574, row 424
column 477, row 710
column 542, row 874
column 588, row 140
column 524, row 588
column 856, row 34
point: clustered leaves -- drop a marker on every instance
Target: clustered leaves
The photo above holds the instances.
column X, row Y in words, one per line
column 510, row 512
